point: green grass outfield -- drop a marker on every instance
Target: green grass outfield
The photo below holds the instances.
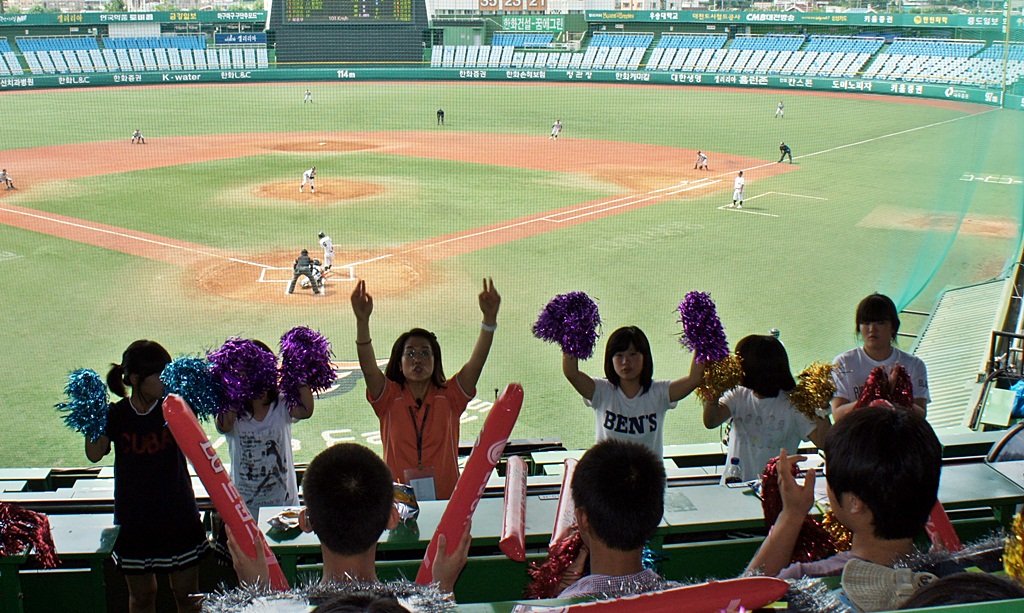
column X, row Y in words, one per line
column 876, row 207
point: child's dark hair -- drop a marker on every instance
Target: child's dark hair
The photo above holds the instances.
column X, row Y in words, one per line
column 349, row 493
column 621, row 487
column 142, row 358
column 891, row 460
column 878, row 308
column 963, row 588
column 362, row 602
column 393, row 370
column 272, row 393
column 765, row 365
column 619, row 341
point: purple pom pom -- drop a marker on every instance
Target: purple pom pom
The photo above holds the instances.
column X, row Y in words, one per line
column 305, row 360
column 87, row 405
column 702, row 330
column 570, row 320
column 245, row 371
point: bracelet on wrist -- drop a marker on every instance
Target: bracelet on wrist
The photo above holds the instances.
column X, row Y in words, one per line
column 487, row 327
column 366, row 342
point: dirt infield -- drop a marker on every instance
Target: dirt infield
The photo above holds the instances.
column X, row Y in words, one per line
column 648, row 174
column 332, row 191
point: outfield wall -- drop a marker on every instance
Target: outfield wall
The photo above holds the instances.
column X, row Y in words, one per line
column 858, row 86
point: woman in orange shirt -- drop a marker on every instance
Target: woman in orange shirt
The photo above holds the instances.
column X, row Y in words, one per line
column 418, row 408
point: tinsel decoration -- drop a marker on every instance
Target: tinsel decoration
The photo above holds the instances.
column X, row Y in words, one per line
column 812, row 595
column 245, row 371
column 571, row 321
column 815, row 542
column 305, row 360
column 192, row 378
column 721, row 376
column 899, row 390
column 1013, row 551
column 87, row 405
column 546, row 577
column 814, row 389
column 22, row 530
column 419, row 598
column 702, row 330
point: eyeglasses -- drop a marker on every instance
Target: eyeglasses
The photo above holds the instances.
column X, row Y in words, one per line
column 423, row 354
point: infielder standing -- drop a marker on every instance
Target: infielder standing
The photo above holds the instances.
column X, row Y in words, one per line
column 138, row 138
column 737, row 191
column 6, row 180
column 307, row 177
column 780, row 111
column 328, row 245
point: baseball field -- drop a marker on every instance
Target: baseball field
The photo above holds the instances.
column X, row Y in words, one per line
column 189, row 238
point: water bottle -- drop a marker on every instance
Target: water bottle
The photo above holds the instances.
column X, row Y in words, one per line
column 732, row 473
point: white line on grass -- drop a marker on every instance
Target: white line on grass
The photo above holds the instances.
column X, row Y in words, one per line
column 131, row 237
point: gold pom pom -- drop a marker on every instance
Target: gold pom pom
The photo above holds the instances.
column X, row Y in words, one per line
column 841, row 535
column 721, row 376
column 1013, row 552
column 814, row 389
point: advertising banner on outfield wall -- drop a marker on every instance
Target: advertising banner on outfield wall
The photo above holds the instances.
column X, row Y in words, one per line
column 94, row 19
column 899, row 20
column 639, row 77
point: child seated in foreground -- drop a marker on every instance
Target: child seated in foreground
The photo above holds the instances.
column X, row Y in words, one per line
column 619, row 492
column 883, row 470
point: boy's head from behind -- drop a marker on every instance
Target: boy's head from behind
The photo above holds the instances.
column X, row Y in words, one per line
column 890, row 460
column 620, row 489
column 349, row 496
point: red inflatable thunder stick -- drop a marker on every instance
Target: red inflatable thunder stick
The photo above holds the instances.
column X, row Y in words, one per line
column 565, row 516
column 197, row 448
column 470, row 486
column 745, row 594
column 940, row 529
column 513, row 523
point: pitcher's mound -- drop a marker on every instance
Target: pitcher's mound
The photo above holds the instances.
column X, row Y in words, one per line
column 327, row 191
column 250, row 283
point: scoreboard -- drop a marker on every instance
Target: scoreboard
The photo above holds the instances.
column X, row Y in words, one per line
column 347, row 11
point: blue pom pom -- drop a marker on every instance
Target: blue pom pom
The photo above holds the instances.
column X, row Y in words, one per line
column 87, row 405
column 192, row 379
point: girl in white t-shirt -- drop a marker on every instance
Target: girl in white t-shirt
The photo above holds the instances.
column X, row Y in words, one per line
column 878, row 321
column 763, row 418
column 260, row 444
column 629, row 405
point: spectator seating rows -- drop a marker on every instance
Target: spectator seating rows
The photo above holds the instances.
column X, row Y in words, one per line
column 156, row 42
column 931, row 61
column 522, row 40
column 178, row 53
column 845, row 44
column 688, row 41
column 770, row 42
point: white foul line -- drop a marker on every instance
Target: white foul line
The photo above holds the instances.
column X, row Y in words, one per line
column 130, row 237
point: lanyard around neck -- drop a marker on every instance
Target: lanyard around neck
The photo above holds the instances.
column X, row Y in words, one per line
column 419, row 428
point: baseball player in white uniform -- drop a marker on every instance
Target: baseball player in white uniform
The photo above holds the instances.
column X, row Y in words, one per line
column 702, row 161
column 737, row 191
column 138, row 138
column 556, row 129
column 780, row 111
column 307, row 177
column 328, row 245
column 6, row 180
column 308, row 98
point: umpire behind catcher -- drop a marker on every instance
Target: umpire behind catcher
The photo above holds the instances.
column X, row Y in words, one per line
column 303, row 266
